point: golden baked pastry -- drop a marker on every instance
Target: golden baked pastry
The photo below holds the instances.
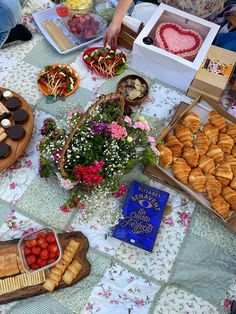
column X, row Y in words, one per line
column 233, row 183
column 184, row 135
column 207, row 165
column 216, row 153
column 213, row 187
column 197, row 180
column 174, row 145
column 191, row 121
column 181, row 170
column 226, row 143
column 232, row 161
column 202, row 143
column 233, row 152
column 231, row 131
column 220, row 206
column 166, row 156
column 230, row 196
column 224, row 173
column 191, row 155
column 216, row 119
column 212, row 132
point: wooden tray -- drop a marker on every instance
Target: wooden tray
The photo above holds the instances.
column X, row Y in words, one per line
column 37, row 290
column 18, row 147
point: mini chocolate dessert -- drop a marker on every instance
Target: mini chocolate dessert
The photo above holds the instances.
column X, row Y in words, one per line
column 20, row 116
column 17, row 132
column 5, row 115
column 5, row 150
column 13, row 103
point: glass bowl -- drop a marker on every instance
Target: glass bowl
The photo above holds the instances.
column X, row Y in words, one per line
column 78, row 6
column 85, row 26
column 106, row 10
column 31, row 236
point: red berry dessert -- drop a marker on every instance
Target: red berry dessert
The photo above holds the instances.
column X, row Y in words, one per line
column 177, row 40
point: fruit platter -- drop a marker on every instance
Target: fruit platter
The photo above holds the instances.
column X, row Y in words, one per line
column 105, row 61
column 27, row 269
column 58, row 80
column 85, row 26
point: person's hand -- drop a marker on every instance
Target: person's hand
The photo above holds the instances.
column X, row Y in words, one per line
column 111, row 35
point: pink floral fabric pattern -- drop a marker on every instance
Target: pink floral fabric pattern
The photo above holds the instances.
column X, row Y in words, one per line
column 120, row 291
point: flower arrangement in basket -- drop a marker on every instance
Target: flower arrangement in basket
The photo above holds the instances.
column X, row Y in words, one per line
column 95, row 149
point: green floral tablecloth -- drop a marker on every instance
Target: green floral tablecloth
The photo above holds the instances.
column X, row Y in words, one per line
column 192, row 267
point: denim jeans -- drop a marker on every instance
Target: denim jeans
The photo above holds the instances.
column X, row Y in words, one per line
column 10, row 16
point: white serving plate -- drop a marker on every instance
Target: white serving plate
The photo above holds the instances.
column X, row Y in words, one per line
column 50, row 14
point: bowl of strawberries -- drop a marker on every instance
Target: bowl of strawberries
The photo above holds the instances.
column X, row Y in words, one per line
column 85, row 26
column 39, row 250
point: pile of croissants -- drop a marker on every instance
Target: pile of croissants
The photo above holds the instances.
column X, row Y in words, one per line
column 204, row 157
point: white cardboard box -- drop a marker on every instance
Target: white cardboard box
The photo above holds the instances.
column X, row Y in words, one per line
column 163, row 65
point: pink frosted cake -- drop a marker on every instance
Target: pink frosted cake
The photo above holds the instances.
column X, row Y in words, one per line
column 175, row 39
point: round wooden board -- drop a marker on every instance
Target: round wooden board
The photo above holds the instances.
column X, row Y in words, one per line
column 18, row 147
column 44, row 89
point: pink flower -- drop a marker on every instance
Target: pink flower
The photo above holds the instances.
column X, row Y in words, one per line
column 65, row 183
column 12, row 186
column 139, row 303
column 117, row 131
column 121, row 191
column 142, row 125
column 151, row 140
column 168, row 221
column 155, row 150
column 184, row 219
column 128, row 120
column 79, row 111
column 106, row 293
column 64, row 209
column 227, row 304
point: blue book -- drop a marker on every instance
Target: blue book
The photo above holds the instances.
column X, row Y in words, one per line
column 143, row 212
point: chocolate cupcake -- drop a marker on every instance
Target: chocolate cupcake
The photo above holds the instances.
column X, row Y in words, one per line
column 20, row 116
column 13, row 103
column 16, row 133
column 5, row 150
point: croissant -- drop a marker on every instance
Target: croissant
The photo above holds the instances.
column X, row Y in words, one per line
column 215, row 152
column 233, row 152
column 197, row 180
column 166, row 156
column 220, row 206
column 216, row 119
column 184, row 135
column 202, row 143
column 181, row 170
column 191, row 156
column 232, row 161
column 231, row 131
column 213, row 187
column 230, row 196
column 224, row 173
column 233, row 183
column 207, row 165
column 212, row 132
column 191, row 121
column 174, row 145
column 226, row 143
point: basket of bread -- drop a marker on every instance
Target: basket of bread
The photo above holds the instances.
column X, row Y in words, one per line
column 198, row 155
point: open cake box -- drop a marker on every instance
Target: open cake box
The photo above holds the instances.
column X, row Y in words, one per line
column 168, row 67
column 166, row 176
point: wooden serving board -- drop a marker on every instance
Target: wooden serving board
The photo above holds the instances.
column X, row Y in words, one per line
column 18, row 147
column 38, row 289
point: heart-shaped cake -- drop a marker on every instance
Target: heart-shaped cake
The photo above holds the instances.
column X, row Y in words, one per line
column 175, row 39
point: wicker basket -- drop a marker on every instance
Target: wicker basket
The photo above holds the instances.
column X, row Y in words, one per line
column 101, row 101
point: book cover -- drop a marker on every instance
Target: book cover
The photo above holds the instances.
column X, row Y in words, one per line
column 142, row 214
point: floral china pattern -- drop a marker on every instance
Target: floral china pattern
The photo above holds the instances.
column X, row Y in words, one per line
column 120, row 291
column 179, row 301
